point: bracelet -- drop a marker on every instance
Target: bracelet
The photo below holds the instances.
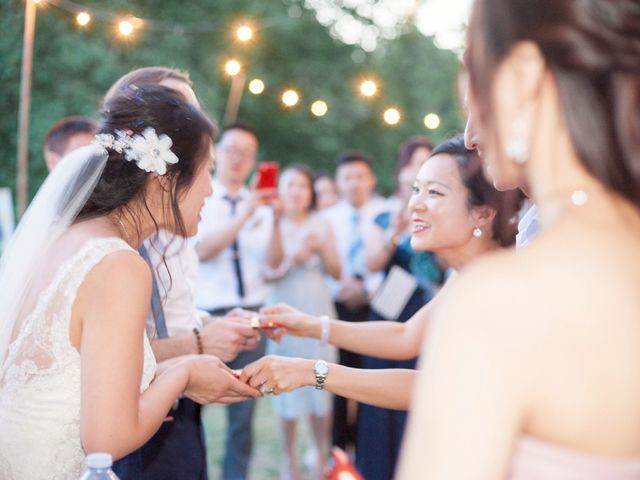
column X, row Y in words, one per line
column 324, row 329
column 198, row 340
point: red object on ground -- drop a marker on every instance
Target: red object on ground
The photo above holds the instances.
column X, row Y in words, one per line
column 342, row 468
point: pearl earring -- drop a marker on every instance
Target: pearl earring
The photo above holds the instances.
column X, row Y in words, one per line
column 517, row 147
column 477, row 232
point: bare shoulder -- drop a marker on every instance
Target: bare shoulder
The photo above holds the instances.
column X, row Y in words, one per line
column 477, row 335
column 489, row 309
column 124, row 264
column 118, row 274
column 483, row 286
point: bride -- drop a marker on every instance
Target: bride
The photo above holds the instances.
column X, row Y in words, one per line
column 76, row 370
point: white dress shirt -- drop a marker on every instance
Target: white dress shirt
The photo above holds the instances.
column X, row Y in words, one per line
column 527, row 227
column 176, row 281
column 217, row 281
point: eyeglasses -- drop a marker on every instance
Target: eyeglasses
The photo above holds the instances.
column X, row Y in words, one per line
column 238, row 152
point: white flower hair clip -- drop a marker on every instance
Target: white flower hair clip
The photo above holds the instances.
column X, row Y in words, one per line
column 151, row 152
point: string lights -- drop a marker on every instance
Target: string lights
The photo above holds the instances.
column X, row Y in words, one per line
column 290, row 98
column 243, row 32
column 432, row 121
column 391, row 116
column 125, row 27
column 83, row 19
column 368, row 88
column 232, row 67
column 256, row 86
column 319, row 108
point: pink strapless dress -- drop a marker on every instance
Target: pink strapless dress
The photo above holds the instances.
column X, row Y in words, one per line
column 538, row 460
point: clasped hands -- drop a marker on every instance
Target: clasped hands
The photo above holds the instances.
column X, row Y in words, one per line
column 273, row 374
column 212, row 381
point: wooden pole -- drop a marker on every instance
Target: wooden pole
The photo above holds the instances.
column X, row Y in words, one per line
column 235, row 95
column 25, row 106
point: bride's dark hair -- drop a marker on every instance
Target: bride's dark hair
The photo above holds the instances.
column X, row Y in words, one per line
column 592, row 49
column 122, row 182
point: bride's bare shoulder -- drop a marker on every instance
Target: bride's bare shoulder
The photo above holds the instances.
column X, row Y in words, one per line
column 122, row 266
column 119, row 274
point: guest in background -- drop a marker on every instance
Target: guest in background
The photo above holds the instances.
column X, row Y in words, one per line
column 236, row 228
column 310, row 252
column 66, row 135
column 351, row 219
column 411, row 155
column 326, row 191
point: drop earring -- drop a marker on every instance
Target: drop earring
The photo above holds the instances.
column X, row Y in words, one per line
column 517, row 147
column 477, row 232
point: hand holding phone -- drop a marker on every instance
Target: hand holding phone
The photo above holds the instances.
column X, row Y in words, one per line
column 267, row 175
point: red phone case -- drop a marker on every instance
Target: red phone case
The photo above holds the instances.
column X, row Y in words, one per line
column 267, row 175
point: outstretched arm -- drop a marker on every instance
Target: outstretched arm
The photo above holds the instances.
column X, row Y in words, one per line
column 382, row 339
column 383, row 388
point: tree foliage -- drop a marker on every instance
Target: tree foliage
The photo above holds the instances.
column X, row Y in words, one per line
column 74, row 67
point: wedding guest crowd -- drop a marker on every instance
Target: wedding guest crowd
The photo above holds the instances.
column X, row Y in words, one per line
column 152, row 266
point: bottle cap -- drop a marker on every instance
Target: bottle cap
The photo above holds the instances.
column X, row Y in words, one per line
column 99, row 460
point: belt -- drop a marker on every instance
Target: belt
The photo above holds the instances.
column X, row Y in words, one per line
column 222, row 311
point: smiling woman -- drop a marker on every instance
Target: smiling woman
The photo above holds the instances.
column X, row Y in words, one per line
column 451, row 201
column 454, row 208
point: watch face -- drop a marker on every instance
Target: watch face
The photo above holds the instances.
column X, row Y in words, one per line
column 322, row 368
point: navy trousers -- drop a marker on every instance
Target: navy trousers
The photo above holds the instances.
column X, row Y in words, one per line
column 176, row 452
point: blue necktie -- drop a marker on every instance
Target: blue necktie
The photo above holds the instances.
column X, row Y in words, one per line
column 355, row 254
column 235, row 250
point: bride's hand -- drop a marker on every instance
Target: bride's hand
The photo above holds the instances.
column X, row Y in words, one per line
column 273, row 374
column 293, row 321
column 211, row 381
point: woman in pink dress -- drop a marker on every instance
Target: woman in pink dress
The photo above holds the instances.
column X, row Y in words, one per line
column 531, row 369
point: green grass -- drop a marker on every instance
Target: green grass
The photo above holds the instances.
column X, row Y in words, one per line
column 265, row 463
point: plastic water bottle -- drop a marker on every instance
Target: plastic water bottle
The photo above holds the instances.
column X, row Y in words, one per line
column 99, row 467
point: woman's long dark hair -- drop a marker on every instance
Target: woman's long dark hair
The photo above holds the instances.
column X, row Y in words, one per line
column 123, row 181
column 481, row 193
column 592, row 49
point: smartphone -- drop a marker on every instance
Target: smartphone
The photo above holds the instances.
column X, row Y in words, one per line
column 267, row 175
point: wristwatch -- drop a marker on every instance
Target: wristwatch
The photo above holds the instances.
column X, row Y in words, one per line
column 321, row 369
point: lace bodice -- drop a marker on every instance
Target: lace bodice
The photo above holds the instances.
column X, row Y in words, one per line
column 40, row 379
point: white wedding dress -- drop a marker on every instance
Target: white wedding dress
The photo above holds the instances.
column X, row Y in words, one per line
column 40, row 379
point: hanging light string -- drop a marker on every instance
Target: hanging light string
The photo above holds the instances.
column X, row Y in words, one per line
column 105, row 16
column 289, row 99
